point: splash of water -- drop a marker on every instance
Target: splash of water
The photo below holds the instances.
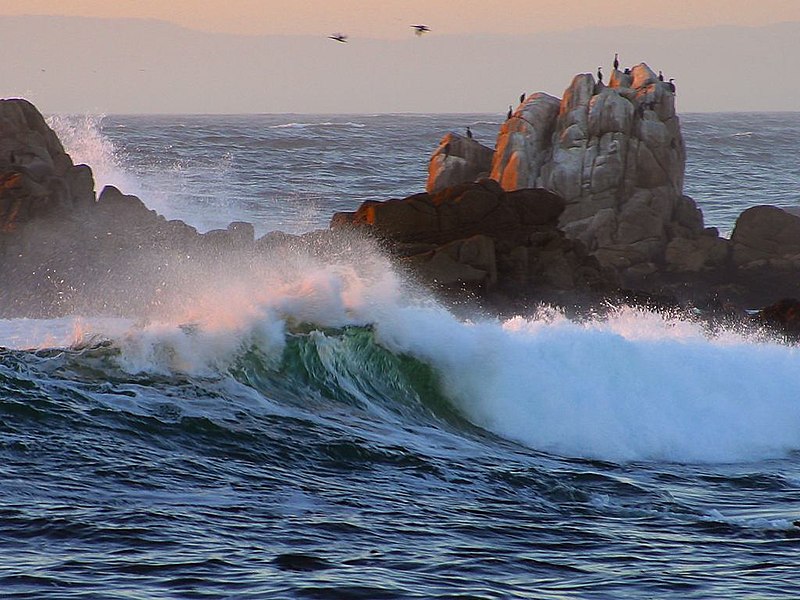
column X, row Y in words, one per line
column 83, row 140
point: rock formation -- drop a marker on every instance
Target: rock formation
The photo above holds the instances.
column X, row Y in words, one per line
column 62, row 249
column 457, row 160
column 616, row 155
column 477, row 236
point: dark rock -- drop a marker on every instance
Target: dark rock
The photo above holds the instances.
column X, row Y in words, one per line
column 782, row 316
column 476, row 237
column 766, row 233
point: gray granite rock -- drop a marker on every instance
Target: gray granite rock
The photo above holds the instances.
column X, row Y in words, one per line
column 617, row 156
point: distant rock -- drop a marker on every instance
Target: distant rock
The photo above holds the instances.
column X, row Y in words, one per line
column 457, row 160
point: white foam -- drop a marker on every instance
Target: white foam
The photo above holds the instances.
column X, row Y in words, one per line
column 634, row 387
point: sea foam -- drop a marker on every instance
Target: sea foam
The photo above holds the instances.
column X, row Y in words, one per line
column 637, row 386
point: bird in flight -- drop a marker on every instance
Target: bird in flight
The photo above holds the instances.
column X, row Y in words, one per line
column 339, row 37
column 420, row 29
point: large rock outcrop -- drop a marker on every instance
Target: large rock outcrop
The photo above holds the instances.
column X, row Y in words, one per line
column 37, row 178
column 616, row 154
column 64, row 250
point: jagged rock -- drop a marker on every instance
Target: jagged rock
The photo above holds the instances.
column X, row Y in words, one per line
column 523, row 140
column 469, row 262
column 457, row 160
column 694, row 255
column 458, row 212
column 616, row 154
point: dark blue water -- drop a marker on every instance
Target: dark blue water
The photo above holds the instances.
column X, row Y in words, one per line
column 314, row 427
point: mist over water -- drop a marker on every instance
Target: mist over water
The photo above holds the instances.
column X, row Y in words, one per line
column 311, row 425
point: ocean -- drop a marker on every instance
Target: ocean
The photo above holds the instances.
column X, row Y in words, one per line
column 325, row 429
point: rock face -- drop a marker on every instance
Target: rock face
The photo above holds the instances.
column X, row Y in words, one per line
column 457, row 160
column 616, row 155
column 477, row 236
column 37, row 177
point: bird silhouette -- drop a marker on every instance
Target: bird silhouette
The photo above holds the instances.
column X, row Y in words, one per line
column 420, row 29
column 339, row 37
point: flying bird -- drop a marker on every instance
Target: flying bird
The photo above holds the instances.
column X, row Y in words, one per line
column 420, row 29
column 339, row 37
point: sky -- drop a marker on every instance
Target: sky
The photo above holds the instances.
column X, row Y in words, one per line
column 244, row 56
column 386, row 19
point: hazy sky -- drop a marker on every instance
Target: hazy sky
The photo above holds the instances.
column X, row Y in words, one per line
column 273, row 56
column 390, row 18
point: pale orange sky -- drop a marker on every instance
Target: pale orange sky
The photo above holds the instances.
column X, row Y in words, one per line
column 390, row 18
column 263, row 56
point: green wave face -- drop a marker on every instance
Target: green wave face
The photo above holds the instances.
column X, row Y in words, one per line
column 346, row 366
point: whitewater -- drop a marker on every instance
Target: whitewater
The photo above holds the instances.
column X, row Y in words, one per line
column 314, row 425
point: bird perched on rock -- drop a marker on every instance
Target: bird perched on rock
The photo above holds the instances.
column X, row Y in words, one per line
column 616, row 61
column 339, row 37
column 599, row 74
column 522, row 98
column 510, row 112
column 420, row 29
column 671, row 84
column 469, row 133
column 660, row 76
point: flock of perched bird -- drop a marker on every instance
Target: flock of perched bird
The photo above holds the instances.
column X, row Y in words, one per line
column 418, row 30
column 670, row 83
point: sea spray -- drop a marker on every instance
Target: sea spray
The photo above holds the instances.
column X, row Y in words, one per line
column 228, row 308
column 84, row 141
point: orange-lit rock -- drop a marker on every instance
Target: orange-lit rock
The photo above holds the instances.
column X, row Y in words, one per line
column 457, row 160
